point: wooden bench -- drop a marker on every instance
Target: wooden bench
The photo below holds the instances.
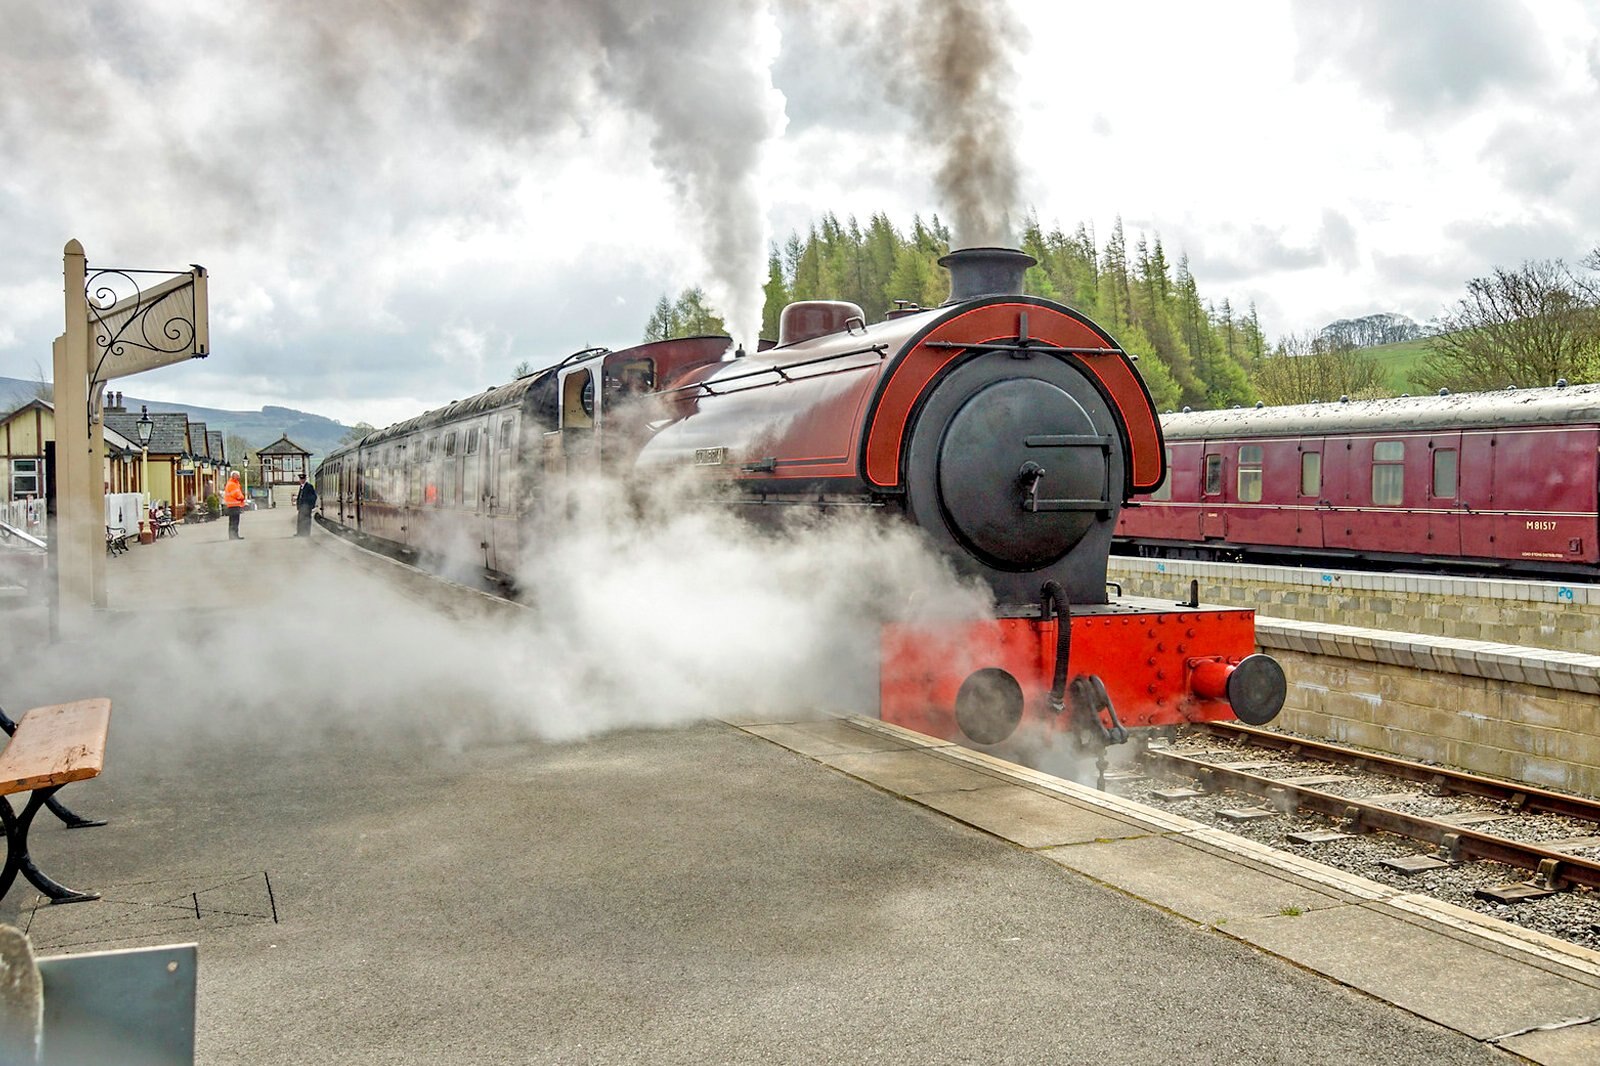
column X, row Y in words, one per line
column 49, row 747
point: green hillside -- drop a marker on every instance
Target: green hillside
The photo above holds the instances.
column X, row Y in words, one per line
column 1398, row 361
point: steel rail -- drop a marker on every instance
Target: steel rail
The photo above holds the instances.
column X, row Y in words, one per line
column 1454, row 842
column 1442, row 779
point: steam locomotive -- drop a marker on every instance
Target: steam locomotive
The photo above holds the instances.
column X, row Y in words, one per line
column 1009, row 429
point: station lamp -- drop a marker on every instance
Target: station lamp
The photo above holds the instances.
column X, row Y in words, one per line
column 146, row 425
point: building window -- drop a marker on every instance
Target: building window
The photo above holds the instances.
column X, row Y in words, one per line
column 1444, row 473
column 1213, row 475
column 1250, row 473
column 27, row 477
column 1388, row 473
column 1164, row 490
column 1310, row 473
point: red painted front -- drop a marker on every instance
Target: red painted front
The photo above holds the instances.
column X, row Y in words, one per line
column 989, row 323
column 1146, row 660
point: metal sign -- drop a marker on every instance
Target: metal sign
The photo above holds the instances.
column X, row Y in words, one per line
column 134, row 328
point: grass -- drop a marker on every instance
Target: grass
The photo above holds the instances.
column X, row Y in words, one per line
column 1398, row 361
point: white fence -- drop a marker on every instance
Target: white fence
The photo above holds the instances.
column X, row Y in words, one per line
column 124, row 511
column 26, row 515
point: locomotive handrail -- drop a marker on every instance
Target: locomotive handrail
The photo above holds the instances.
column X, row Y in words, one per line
column 1029, row 348
column 881, row 349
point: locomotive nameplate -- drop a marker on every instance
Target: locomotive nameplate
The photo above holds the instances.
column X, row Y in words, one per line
column 710, row 456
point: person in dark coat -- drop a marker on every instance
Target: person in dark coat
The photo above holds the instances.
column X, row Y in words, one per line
column 305, row 501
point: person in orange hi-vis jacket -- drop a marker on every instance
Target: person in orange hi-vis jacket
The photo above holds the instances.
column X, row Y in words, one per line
column 233, row 503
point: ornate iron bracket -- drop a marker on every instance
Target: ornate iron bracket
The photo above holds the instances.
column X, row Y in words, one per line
column 157, row 318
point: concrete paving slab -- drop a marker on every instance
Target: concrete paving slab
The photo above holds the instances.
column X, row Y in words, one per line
column 1422, row 968
column 1197, row 884
column 909, row 773
column 831, row 736
column 1028, row 818
column 1572, row 1045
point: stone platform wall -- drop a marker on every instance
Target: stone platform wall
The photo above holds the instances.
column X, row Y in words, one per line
column 1538, row 614
column 1516, row 713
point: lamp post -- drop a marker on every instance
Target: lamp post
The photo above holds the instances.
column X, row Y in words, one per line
column 146, row 425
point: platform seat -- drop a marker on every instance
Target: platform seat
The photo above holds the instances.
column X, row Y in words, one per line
column 49, row 747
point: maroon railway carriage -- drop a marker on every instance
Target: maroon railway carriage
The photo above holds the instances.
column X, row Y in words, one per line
column 1497, row 479
column 1009, row 429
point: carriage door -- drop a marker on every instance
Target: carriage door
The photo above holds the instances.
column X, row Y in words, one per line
column 1338, row 505
column 1308, row 496
column 475, row 488
column 1443, row 504
column 502, row 502
column 1213, row 479
column 1477, row 476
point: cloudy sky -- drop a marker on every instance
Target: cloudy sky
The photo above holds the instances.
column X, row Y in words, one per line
column 399, row 200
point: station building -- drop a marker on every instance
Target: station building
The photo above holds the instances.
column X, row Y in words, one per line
column 183, row 463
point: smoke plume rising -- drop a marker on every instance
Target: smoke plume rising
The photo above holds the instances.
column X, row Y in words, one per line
column 949, row 65
column 311, row 131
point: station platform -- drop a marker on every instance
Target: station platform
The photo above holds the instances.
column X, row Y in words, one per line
column 326, row 771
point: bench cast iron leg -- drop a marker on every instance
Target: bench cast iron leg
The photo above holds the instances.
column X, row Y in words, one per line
column 17, row 857
column 70, row 817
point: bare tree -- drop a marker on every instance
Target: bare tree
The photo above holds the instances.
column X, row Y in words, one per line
column 1308, row 369
column 1526, row 327
column 43, row 388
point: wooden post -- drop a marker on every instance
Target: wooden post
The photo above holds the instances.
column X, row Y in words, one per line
column 80, row 535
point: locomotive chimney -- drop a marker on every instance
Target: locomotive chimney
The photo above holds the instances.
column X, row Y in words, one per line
column 978, row 272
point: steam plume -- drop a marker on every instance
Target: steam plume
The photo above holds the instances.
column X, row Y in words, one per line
column 319, row 124
column 949, row 64
column 671, row 616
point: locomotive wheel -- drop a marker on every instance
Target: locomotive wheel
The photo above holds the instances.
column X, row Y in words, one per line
column 989, row 706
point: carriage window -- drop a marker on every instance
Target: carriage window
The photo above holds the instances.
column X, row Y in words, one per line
column 505, row 433
column 472, row 441
column 449, row 444
column 1250, row 473
column 1213, row 475
column 1164, row 490
column 1444, row 473
column 1310, row 473
column 1388, row 473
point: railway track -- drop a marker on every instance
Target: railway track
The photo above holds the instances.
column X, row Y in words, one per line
column 1274, row 768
